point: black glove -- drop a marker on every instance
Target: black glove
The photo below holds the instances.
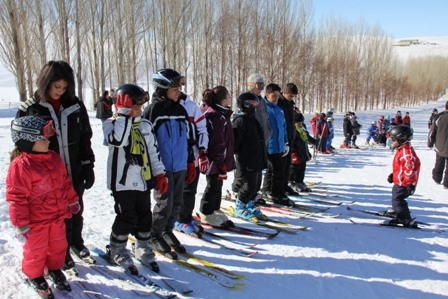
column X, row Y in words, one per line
column 390, row 178
column 88, row 177
column 410, row 189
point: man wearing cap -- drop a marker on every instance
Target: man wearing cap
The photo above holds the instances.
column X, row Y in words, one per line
column 255, row 85
column 438, row 138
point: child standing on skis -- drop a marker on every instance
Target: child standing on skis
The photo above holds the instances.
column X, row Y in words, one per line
column 40, row 196
column 299, row 155
column 133, row 169
column 220, row 154
column 404, row 176
column 250, row 154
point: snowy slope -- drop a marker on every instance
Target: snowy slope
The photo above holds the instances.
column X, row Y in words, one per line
column 334, row 259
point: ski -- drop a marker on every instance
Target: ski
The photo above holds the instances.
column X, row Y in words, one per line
column 299, row 207
column 219, row 278
column 312, row 184
column 250, row 246
column 212, row 266
column 72, row 271
column 270, row 223
column 204, row 262
column 170, row 282
column 123, row 282
column 380, row 224
column 240, row 252
column 317, row 193
column 139, row 278
column 87, row 260
column 317, row 199
column 382, row 214
column 241, row 230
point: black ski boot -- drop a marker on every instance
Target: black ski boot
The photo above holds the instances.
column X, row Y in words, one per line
column 83, row 253
column 41, row 286
column 173, row 242
column 59, row 280
column 69, row 265
column 159, row 244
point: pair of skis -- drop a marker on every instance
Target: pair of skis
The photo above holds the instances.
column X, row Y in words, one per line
column 423, row 226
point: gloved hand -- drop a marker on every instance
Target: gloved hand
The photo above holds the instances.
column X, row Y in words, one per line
column 204, row 163
column 23, row 232
column 88, row 176
column 410, row 189
column 286, row 152
column 295, row 159
column 390, row 178
column 191, row 173
column 222, row 172
column 124, row 104
column 162, row 183
column 74, row 207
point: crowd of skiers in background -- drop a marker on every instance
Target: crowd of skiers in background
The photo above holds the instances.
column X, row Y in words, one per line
column 377, row 133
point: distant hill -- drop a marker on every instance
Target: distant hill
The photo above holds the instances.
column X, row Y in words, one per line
column 421, row 46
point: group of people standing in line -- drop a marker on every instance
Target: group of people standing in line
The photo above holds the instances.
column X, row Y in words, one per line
column 160, row 152
column 157, row 152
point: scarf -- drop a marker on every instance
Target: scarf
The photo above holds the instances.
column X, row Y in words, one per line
column 138, row 147
column 302, row 133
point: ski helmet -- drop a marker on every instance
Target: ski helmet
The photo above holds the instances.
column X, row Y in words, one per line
column 167, row 78
column 136, row 93
column 247, row 102
column 402, row 133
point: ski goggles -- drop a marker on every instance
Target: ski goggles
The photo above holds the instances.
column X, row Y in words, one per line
column 46, row 131
column 141, row 100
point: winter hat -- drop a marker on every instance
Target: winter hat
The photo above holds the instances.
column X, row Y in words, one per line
column 26, row 130
column 254, row 79
column 298, row 117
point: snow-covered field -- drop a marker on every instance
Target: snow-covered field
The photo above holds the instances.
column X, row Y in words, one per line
column 333, row 259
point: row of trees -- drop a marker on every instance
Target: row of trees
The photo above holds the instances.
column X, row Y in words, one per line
column 214, row 42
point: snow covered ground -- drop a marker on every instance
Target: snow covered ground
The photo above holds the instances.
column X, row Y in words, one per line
column 333, row 259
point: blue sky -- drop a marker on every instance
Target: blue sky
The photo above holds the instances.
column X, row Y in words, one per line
column 398, row 18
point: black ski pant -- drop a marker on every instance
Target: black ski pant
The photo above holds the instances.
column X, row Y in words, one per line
column 399, row 203
column 274, row 179
column 248, row 182
column 211, row 200
column 297, row 172
column 440, row 171
column 189, row 199
column 133, row 209
column 74, row 225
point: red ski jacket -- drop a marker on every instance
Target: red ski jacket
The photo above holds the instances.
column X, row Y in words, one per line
column 38, row 189
column 406, row 166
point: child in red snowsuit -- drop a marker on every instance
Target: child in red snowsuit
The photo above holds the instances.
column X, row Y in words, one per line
column 40, row 196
